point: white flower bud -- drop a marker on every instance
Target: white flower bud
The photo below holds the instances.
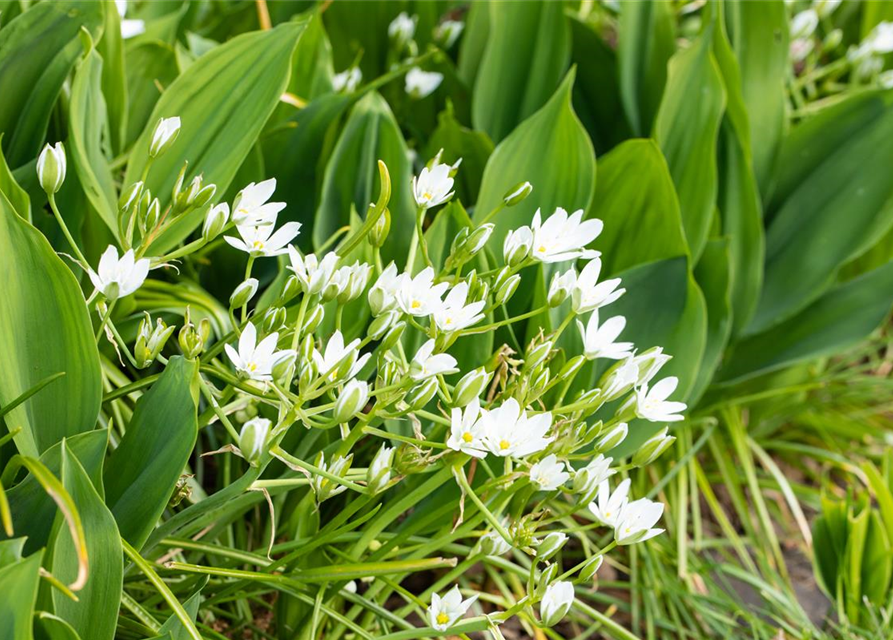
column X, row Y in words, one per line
column 537, row 354
column 550, row 545
column 381, row 324
column 253, row 439
column 379, row 232
column 313, row 320
column 517, row 246
column 51, row 168
column 556, row 602
column 379, row 473
column 215, row 221
column 164, row 135
column 507, row 290
column 493, row 544
column 589, row 569
column 243, row 293
column 652, row 448
column 351, row 401
column 421, row 394
column 561, row 287
column 283, row 363
column 392, row 336
column 517, row 194
column 613, row 438
column 546, row 578
column 470, row 387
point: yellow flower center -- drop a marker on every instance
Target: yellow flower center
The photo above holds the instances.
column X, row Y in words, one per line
column 415, row 304
column 427, row 196
column 252, row 367
column 504, row 444
column 442, row 618
column 542, row 248
column 258, row 244
column 467, row 437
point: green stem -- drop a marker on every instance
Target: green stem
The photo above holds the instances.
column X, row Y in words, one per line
column 74, row 247
column 459, row 474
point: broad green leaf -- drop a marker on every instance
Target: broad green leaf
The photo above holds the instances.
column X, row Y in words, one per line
column 825, row 560
column 17, row 196
column 87, row 123
column 11, row 551
column 474, row 41
column 550, row 150
column 18, row 584
column 351, row 176
column 95, row 615
column 142, row 472
column 37, row 50
column 877, row 562
column 515, row 81
column 243, row 80
column 362, row 26
column 636, row 200
column 855, row 552
column 686, row 130
column 114, row 76
column 713, row 275
column 645, row 35
column 312, row 70
column 759, row 35
column 474, row 147
column 44, row 329
column 831, row 204
column 838, row 320
column 151, row 67
column 56, row 628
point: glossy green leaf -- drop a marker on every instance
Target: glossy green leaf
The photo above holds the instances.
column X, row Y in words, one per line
column 56, row 628
column 312, row 69
column 687, row 130
column 645, row 35
column 142, row 472
column 87, row 121
column 150, row 68
column 474, row 41
column 514, row 82
column 351, row 177
column 636, row 200
column 173, row 628
column 713, row 275
column 44, row 329
column 18, row 584
column 114, row 76
column 244, row 80
column 11, row 551
column 95, row 615
column 831, row 204
column 37, row 50
column 839, row 319
column 16, row 196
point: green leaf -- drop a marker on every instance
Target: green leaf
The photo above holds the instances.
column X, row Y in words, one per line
column 151, row 67
column 552, row 151
column 362, row 26
column 832, row 203
column 37, row 50
column 474, row 41
column 515, row 81
column 836, row 321
column 636, row 200
column 44, row 329
column 312, row 70
column 114, row 77
column 759, row 34
column 56, row 628
column 646, row 43
column 713, row 275
column 855, row 552
column 877, row 562
column 142, row 472
column 173, row 628
column 11, row 551
column 351, row 176
column 95, row 615
column 17, row 196
column 687, row 130
column 87, row 123
column 223, row 101
column 18, row 584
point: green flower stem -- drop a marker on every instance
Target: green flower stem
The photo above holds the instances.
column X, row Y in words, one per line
column 495, row 325
column 182, row 251
column 433, row 417
column 292, row 461
column 420, row 231
column 224, row 420
column 146, row 569
column 393, row 436
column 493, row 213
column 459, row 474
column 121, row 342
column 248, row 268
column 567, row 574
column 104, row 319
column 74, row 246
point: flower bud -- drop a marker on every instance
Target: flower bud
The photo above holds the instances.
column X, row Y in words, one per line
column 204, row 196
column 150, row 341
column 243, row 293
column 501, row 276
column 550, row 545
column 652, row 448
column 538, row 354
column 190, row 339
column 178, row 183
column 560, row 287
column 379, row 473
column 517, row 246
column 313, row 320
column 410, row 460
column 153, row 215
column 130, row 196
column 51, row 167
column 540, row 380
column 556, row 602
column 290, row 289
column 307, row 376
column 571, row 367
column 546, row 577
column 393, row 336
column 187, row 199
column 351, row 401
column 492, row 544
column 589, row 569
column 215, row 221
column 164, row 135
column 587, row 479
column 274, row 319
column 336, row 284
column 325, row 488
column 306, row 351
column 379, row 232
column 420, row 395
column 507, row 290
column 460, row 240
column 253, row 439
column 388, row 373
column 832, row 40
column 380, row 325
column 470, row 386
column 283, row 364
column 517, row 194
column 613, row 438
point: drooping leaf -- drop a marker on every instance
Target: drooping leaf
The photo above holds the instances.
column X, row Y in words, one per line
column 18, row 584
column 687, row 129
column 37, row 51
column 243, row 80
column 142, row 472
column 95, row 614
column 44, row 329
column 514, row 82
column 831, row 203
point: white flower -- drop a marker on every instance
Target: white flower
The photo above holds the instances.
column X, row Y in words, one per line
column 447, row 32
column 454, row 314
column 599, row 339
column 379, row 472
column 588, row 294
column 119, row 278
column 800, row 48
column 357, row 277
column 649, row 364
column 493, row 544
column 419, row 296
column 549, row 474
column 129, row 28
column 251, row 208
column 636, row 521
column 508, row 431
column 885, row 79
column 322, row 486
column 432, row 186
column 424, row 365
column 804, row 23
column 166, row 131
column 593, row 474
column 607, row 506
column 826, row 7
column 312, row 273
column 556, row 602
column 383, row 294
column 445, row 612
column 253, row 360
column 517, row 245
column 420, row 84
column 336, row 353
column 402, row 27
column 347, row 81
column 51, row 167
column 466, row 431
column 260, row 241
column 881, row 38
column 621, row 379
column 563, row 237
column 652, row 404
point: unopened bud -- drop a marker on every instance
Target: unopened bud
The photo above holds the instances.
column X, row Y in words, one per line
column 410, row 460
column 379, row 472
column 560, row 287
column 164, row 135
column 51, row 168
column 283, row 364
column 215, row 221
column 130, row 196
column 290, row 289
column 420, row 395
column 572, row 366
column 204, row 196
column 470, row 386
column 379, row 232
column 546, row 577
column 556, row 602
column 536, row 355
column 153, row 214
column 507, row 290
column 351, row 401
column 492, row 544
column 589, row 569
column 253, row 439
column 313, row 320
column 382, row 324
column 178, row 183
column 613, row 438
column 517, row 246
column 191, row 343
column 540, row 380
column 550, row 545
column 517, row 194
column 652, row 448
column 243, row 293
column 150, row 340
column 274, row 319
column 393, row 336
